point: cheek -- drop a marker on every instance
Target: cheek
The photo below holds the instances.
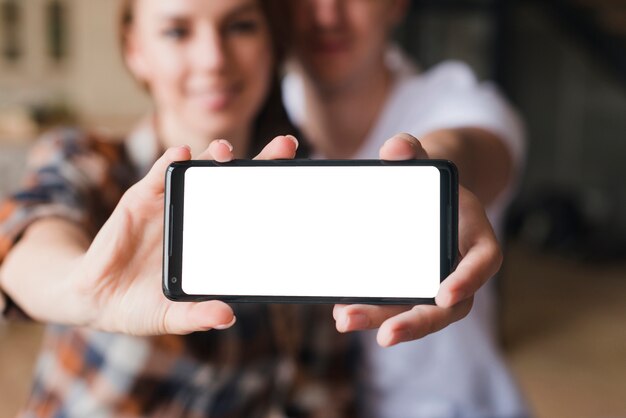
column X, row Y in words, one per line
column 257, row 63
column 370, row 36
column 370, row 24
column 166, row 72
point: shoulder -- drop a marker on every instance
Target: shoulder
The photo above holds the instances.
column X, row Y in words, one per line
column 69, row 142
column 450, row 83
column 74, row 159
column 450, row 95
column 451, row 71
column 447, row 77
column 452, row 87
column 73, row 139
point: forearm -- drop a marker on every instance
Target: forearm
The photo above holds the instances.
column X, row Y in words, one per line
column 483, row 160
column 40, row 272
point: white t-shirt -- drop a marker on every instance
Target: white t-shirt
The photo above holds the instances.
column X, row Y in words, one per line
column 456, row 372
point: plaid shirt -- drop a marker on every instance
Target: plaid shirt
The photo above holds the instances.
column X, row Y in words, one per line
column 277, row 361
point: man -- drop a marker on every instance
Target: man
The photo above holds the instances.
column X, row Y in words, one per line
column 349, row 90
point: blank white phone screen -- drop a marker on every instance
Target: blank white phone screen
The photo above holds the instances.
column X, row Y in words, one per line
column 350, row 231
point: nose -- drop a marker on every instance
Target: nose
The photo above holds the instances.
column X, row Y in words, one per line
column 209, row 50
column 326, row 13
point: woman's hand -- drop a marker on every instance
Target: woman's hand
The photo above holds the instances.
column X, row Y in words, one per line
column 480, row 259
column 119, row 277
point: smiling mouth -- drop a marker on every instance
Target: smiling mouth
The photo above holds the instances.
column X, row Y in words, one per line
column 327, row 42
column 329, row 47
column 214, row 100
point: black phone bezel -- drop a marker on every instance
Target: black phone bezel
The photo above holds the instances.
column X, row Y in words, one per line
column 173, row 231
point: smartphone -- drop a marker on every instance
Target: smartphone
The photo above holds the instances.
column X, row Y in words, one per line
column 299, row 231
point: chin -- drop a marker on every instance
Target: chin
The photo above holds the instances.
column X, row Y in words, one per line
column 213, row 128
column 207, row 119
column 330, row 81
column 328, row 76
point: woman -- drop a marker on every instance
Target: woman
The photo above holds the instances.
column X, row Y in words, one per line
column 89, row 221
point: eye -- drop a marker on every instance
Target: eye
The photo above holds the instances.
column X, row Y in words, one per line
column 243, row 26
column 176, row 33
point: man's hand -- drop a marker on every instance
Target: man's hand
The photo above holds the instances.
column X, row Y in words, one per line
column 480, row 258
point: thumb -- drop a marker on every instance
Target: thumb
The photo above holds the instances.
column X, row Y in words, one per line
column 402, row 146
column 186, row 317
column 153, row 183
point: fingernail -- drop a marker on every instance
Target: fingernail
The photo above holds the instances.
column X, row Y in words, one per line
column 224, row 326
column 385, row 338
column 405, row 137
column 358, row 321
column 225, row 142
column 187, row 147
column 293, row 138
column 344, row 323
column 388, row 141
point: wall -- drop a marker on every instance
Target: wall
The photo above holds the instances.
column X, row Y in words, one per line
column 92, row 80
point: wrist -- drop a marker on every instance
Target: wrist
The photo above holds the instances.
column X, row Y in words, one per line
column 52, row 299
column 9, row 309
column 39, row 271
column 79, row 295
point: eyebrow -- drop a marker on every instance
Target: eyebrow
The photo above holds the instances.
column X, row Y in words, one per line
column 242, row 9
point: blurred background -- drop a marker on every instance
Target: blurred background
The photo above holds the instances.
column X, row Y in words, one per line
column 561, row 62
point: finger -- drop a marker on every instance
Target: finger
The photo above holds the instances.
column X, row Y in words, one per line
column 280, row 147
column 419, row 322
column 359, row 317
column 219, row 150
column 336, row 309
column 474, row 270
column 153, row 183
column 185, row 318
column 402, row 147
column 481, row 254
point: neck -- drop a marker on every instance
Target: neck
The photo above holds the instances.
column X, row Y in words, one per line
column 174, row 134
column 339, row 119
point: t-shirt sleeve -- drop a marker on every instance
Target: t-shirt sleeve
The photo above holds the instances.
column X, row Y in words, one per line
column 69, row 175
column 453, row 97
